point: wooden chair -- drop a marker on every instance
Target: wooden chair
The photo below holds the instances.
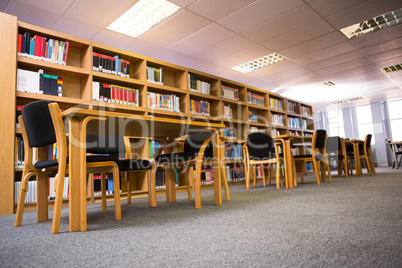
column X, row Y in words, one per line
column 42, row 125
column 318, row 155
column 336, row 151
column 261, row 149
column 198, row 151
column 365, row 153
column 396, row 152
column 118, row 150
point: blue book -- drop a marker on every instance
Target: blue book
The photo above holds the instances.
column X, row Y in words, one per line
column 110, row 183
column 32, row 47
column 117, row 64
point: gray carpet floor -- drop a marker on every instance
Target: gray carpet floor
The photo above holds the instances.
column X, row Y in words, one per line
column 351, row 222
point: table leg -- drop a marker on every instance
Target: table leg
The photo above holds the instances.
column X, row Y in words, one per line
column 357, row 159
column 217, row 171
column 170, row 185
column 288, row 164
column 395, row 158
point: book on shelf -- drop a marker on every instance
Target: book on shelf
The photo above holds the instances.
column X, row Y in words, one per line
column 227, row 111
column 255, row 99
column 98, row 184
column 18, row 112
column 304, row 111
column 234, row 151
column 230, row 92
column 153, row 148
column 155, row 75
column 235, row 173
column 252, row 116
column 200, row 107
column 167, row 102
column 304, row 124
column 276, row 104
column 277, row 119
column 255, row 129
column 198, row 85
column 207, row 176
column 42, row 48
column 110, row 65
column 39, row 83
column 160, row 180
column 294, row 122
column 275, row 132
column 291, row 107
column 115, row 94
column 229, row 132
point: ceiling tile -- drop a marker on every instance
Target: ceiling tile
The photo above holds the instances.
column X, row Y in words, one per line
column 383, row 47
column 316, row 44
column 183, row 3
column 299, row 35
column 3, row 5
column 32, row 14
column 244, row 55
column 170, row 56
column 285, row 75
column 100, row 13
column 339, row 59
column 220, row 8
column 329, row 7
column 378, row 37
column 204, row 38
column 353, row 72
column 387, row 55
column 389, row 62
column 175, row 29
column 224, row 48
column 257, row 13
column 353, row 64
column 284, row 23
column 55, row 7
column 112, row 38
column 142, row 48
column 362, row 12
column 76, row 28
column 326, row 53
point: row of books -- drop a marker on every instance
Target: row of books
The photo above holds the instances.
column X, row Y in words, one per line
column 294, row 122
column 276, row 104
column 198, row 85
column 235, row 173
column 115, row 94
column 200, row 107
column 98, row 184
column 277, row 119
column 255, row 129
column 153, row 148
column 39, row 83
column 304, row 110
column 155, row 75
column 295, row 133
column 230, row 92
column 42, row 48
column 163, row 101
column 111, row 65
column 304, row 124
column 252, row 116
column 51, row 188
column 19, row 155
column 275, row 132
column 227, row 111
column 229, row 132
column 234, row 152
column 291, row 107
column 255, row 99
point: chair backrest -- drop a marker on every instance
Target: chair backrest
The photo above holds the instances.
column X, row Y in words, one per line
column 260, row 145
column 193, row 142
column 321, row 138
column 334, row 145
column 103, row 144
column 367, row 141
column 38, row 124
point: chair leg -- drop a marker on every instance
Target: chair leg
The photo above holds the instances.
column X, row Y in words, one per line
column 255, row 175
column 294, row 173
column 277, row 175
column 21, row 199
column 316, row 170
column 282, row 175
column 190, row 182
column 345, row 167
column 264, row 183
column 128, row 183
column 103, row 190
column 247, row 172
column 225, row 183
column 329, row 169
column 58, row 202
column 197, row 185
column 116, row 186
column 151, row 188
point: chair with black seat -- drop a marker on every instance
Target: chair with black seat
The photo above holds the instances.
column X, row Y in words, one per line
column 42, row 125
column 336, row 151
column 318, row 155
column 114, row 148
column 261, row 149
column 198, row 151
column 396, row 152
column 365, row 153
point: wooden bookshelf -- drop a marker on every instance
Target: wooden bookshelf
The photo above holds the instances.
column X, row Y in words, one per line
column 78, row 77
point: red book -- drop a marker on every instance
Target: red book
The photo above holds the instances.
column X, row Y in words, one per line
column 130, row 96
column 113, row 94
column 117, row 94
column 121, row 95
column 66, row 52
column 20, row 37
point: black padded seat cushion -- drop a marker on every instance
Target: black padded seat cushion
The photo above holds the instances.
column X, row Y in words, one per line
column 260, row 146
column 335, row 156
column 133, row 164
column 46, row 164
column 180, row 157
column 319, row 156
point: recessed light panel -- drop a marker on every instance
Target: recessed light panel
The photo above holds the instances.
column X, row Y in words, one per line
column 259, row 63
column 393, row 68
column 144, row 15
column 347, row 100
column 375, row 24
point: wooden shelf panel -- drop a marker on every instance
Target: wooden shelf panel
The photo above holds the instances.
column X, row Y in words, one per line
column 65, row 100
column 115, row 79
column 158, row 87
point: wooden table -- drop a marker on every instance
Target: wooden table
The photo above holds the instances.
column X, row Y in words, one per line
column 394, row 145
column 287, row 141
column 355, row 143
column 84, row 121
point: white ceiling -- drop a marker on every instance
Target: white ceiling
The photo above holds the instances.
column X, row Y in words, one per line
column 214, row 35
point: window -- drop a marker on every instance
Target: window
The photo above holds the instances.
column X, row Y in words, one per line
column 364, row 121
column 395, row 119
column 335, row 124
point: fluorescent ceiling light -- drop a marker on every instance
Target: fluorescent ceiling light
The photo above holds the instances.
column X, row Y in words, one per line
column 392, row 68
column 372, row 25
column 259, row 63
column 144, row 15
column 347, row 100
